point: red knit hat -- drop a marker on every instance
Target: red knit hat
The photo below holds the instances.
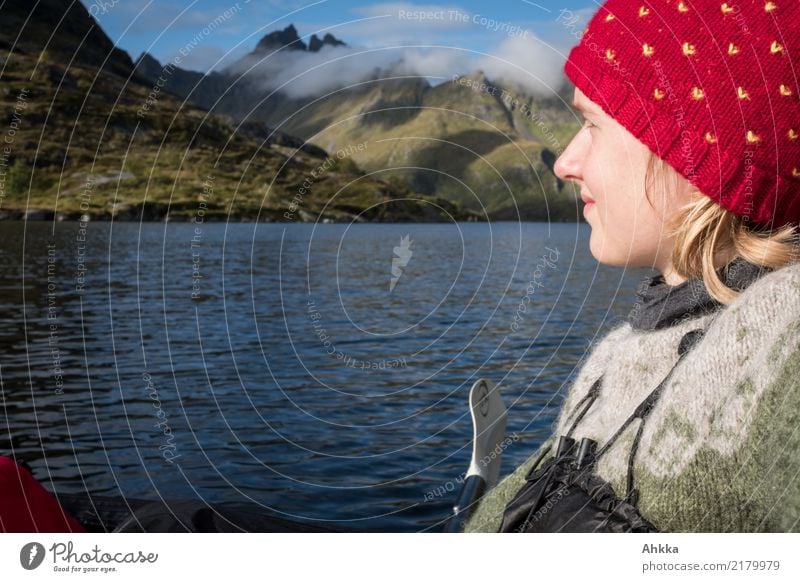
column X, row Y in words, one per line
column 708, row 86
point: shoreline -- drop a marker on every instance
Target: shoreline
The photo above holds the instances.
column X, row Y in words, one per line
column 150, row 215
column 38, row 215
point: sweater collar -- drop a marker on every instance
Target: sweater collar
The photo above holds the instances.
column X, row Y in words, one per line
column 660, row 305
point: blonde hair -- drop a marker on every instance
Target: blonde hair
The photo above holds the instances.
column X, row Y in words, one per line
column 703, row 231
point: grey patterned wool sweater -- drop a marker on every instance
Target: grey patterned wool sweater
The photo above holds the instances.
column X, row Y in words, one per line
column 720, row 451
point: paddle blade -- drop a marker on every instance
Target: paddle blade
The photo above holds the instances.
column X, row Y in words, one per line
column 489, row 430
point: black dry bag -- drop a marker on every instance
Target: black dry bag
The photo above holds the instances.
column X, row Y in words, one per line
column 564, row 495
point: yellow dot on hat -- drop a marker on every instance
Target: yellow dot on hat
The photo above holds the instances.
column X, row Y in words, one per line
column 688, row 49
column 775, row 47
column 769, row 7
column 643, row 11
column 785, row 90
column 733, row 49
column 742, row 93
column 658, row 94
column 697, row 93
column 647, row 50
column 682, row 7
column 710, row 137
column 610, row 54
column 792, row 134
column 752, row 137
column 726, row 9
column 609, row 17
column 795, row 172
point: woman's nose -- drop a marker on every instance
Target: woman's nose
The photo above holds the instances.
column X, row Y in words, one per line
column 568, row 164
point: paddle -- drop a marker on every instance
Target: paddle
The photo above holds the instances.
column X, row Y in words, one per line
column 489, row 429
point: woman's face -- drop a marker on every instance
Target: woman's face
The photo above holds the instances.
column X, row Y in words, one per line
column 609, row 166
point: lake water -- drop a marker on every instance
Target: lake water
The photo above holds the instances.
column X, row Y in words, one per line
column 288, row 365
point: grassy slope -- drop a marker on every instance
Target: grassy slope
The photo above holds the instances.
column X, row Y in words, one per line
column 76, row 125
column 468, row 146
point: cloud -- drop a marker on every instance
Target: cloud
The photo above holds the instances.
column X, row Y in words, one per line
column 304, row 74
column 523, row 61
column 527, row 62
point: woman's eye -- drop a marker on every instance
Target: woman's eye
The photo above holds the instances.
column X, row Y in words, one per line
column 587, row 123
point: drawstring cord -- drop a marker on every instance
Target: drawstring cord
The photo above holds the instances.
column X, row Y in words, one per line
column 591, row 396
column 641, row 412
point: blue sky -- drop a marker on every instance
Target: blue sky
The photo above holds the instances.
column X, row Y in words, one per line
column 467, row 27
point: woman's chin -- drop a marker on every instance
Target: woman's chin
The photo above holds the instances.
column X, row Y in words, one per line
column 595, row 245
column 603, row 254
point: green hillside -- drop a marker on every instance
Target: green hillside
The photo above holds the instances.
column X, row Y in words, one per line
column 469, row 140
column 453, row 140
column 97, row 140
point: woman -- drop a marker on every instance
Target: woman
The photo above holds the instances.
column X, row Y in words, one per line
column 689, row 162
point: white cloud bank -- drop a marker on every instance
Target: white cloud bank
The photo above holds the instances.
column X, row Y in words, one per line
column 522, row 61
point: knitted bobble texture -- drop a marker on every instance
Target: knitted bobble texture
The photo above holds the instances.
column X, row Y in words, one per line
column 711, row 88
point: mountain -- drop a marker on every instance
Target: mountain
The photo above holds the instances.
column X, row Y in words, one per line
column 288, row 39
column 93, row 137
column 470, row 140
column 227, row 92
column 64, row 29
column 315, row 44
column 198, row 88
column 490, row 150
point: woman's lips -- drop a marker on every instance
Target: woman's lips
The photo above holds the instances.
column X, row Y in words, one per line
column 589, row 203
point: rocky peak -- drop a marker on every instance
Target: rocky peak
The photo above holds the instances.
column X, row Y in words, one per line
column 315, row 44
column 287, row 39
